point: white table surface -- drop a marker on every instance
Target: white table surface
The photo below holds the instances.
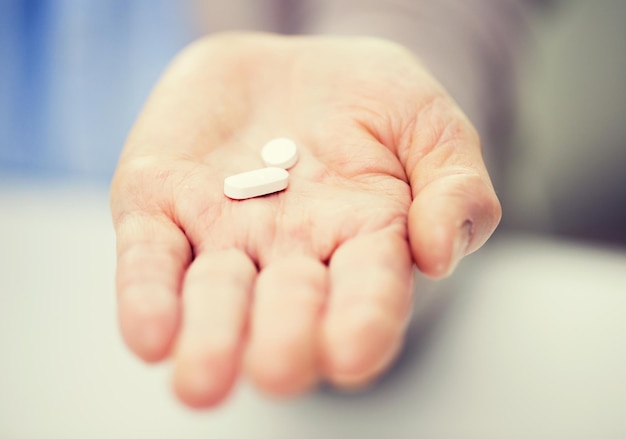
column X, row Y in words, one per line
column 527, row 340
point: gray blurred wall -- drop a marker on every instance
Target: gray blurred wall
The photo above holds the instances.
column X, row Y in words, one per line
column 570, row 148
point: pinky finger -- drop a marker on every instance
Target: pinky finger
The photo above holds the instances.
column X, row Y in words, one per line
column 152, row 255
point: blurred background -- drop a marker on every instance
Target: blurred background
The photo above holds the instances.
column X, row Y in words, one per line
column 74, row 75
column 568, row 162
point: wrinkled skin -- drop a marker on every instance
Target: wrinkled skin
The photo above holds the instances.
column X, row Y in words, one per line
column 313, row 282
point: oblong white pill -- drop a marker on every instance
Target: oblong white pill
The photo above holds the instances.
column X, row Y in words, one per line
column 255, row 183
column 281, row 152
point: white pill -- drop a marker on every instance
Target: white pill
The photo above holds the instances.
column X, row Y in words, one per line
column 255, row 183
column 281, row 153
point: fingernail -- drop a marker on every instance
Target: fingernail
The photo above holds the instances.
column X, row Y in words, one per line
column 461, row 243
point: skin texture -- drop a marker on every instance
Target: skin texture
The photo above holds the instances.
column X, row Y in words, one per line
column 313, row 282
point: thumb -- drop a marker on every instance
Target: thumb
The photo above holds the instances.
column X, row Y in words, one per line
column 454, row 208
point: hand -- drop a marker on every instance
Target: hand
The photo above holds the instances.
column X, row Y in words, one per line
column 313, row 282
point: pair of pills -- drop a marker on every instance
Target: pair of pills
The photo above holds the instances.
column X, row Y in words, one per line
column 278, row 155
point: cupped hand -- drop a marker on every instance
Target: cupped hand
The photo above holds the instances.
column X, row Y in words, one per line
column 313, row 282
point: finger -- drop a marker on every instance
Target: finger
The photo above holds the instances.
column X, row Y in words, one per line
column 455, row 208
column 152, row 255
column 216, row 296
column 289, row 296
column 368, row 307
column 449, row 219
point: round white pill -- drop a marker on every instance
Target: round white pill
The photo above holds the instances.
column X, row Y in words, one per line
column 255, row 183
column 281, row 152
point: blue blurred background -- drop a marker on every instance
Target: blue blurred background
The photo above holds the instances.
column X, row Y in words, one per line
column 73, row 76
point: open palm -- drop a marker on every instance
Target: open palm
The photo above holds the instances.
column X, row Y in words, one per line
column 315, row 281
